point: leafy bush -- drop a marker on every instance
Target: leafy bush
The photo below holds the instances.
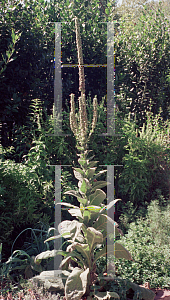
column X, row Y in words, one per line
column 146, row 165
column 25, row 197
column 30, row 74
column 142, row 67
column 148, row 240
column 159, row 218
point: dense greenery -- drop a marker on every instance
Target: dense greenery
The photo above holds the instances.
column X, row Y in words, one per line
column 31, row 179
column 31, row 74
column 151, row 236
column 26, row 103
column 146, row 164
column 142, row 73
column 143, row 65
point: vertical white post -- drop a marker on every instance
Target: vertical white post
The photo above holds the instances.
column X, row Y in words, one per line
column 57, row 242
column 110, row 80
column 58, row 84
column 110, row 197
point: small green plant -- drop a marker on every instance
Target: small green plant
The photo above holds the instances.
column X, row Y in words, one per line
column 79, row 265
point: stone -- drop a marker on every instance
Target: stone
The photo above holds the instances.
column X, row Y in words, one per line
column 145, row 292
column 50, row 281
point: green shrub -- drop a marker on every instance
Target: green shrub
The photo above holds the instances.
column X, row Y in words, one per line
column 142, row 64
column 25, row 198
column 159, row 218
column 148, row 240
column 146, row 165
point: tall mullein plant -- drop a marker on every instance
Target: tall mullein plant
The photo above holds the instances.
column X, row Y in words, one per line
column 93, row 226
column 81, row 131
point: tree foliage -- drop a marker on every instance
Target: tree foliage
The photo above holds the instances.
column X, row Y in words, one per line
column 143, row 64
column 31, row 74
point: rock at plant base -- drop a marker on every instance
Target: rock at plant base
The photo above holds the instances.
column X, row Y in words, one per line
column 50, row 280
column 146, row 294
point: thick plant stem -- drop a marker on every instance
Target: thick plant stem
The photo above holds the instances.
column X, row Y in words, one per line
column 81, row 131
column 80, row 58
column 82, row 99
